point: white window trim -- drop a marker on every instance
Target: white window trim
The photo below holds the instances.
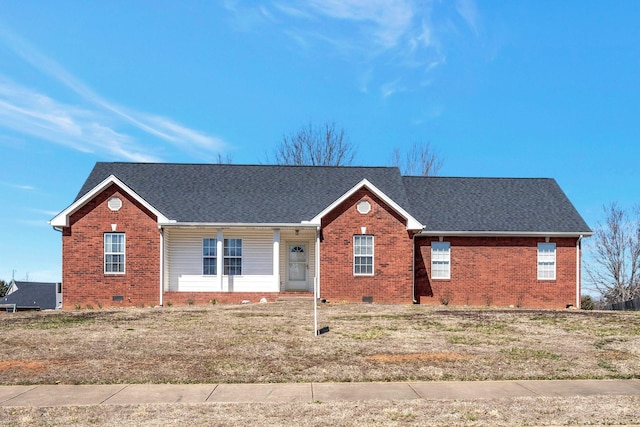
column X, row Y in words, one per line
column 373, row 255
column 225, row 257
column 210, row 257
column 542, row 259
column 123, row 253
column 446, row 261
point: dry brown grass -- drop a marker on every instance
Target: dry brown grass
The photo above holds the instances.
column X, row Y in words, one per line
column 529, row 411
column 275, row 343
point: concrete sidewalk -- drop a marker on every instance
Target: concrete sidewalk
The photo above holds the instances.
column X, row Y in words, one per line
column 121, row 394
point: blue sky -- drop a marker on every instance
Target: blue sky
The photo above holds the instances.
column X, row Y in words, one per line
column 504, row 89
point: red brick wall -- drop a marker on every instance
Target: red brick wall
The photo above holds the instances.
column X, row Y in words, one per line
column 199, row 298
column 84, row 280
column 497, row 271
column 392, row 279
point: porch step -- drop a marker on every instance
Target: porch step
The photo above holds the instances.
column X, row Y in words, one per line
column 295, row 296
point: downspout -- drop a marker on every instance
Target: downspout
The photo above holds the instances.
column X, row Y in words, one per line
column 578, row 271
column 161, row 265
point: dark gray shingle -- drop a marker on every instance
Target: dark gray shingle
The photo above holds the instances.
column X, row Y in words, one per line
column 264, row 194
column 492, row 204
column 32, row 295
column 243, row 193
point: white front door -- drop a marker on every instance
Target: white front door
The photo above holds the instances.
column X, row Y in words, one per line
column 297, row 258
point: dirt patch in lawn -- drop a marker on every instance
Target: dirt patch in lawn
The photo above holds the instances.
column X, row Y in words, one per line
column 30, row 366
column 275, row 342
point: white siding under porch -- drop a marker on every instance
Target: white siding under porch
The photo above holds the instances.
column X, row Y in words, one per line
column 184, row 261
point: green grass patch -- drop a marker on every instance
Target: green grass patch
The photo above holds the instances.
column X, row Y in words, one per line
column 373, row 333
column 58, row 322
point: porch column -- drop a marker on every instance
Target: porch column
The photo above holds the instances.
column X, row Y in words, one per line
column 220, row 258
column 317, row 272
column 276, row 258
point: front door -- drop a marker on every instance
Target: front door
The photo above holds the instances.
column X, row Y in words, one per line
column 297, row 267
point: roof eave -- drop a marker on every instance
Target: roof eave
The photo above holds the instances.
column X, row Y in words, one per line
column 507, row 233
column 273, row 225
column 412, row 223
column 62, row 219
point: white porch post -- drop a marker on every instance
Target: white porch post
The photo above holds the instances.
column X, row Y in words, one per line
column 276, row 258
column 318, row 261
column 316, row 284
column 220, row 258
column 161, row 264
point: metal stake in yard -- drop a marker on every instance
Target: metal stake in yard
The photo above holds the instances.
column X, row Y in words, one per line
column 315, row 306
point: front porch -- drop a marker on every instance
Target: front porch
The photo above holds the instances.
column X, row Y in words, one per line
column 199, row 262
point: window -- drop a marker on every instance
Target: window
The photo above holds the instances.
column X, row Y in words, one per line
column 546, row 261
column 210, row 256
column 440, row 260
column 114, row 253
column 363, row 255
column 233, row 257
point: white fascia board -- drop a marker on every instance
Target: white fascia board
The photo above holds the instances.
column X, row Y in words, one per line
column 62, row 219
column 235, row 225
column 412, row 223
column 505, row 233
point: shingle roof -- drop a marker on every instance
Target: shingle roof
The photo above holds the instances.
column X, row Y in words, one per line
column 267, row 194
column 255, row 194
column 535, row 205
column 32, row 295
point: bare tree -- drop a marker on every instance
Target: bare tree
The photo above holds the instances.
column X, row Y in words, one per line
column 324, row 145
column 223, row 160
column 615, row 269
column 420, row 160
column 4, row 288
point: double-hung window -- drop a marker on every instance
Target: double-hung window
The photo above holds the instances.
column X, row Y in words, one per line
column 114, row 253
column 363, row 255
column 210, row 256
column 232, row 257
column 440, row 260
column 546, row 261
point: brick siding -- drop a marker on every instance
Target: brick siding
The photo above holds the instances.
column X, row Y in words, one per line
column 497, row 271
column 84, row 280
column 199, row 298
column 391, row 282
column 485, row 271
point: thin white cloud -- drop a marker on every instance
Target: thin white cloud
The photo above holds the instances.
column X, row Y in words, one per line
column 391, row 88
column 469, row 12
column 19, row 186
column 34, row 223
column 28, row 112
column 86, row 129
column 292, row 11
column 406, row 39
column 390, row 20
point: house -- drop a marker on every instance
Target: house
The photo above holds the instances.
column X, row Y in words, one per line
column 33, row 296
column 158, row 233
